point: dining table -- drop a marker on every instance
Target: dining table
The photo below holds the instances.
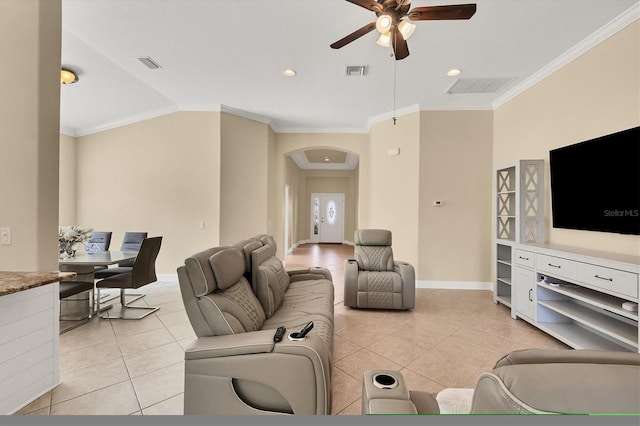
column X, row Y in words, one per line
column 83, row 264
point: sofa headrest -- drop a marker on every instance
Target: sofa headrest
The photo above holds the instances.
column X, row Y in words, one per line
column 247, row 246
column 268, row 239
column 372, row 237
column 261, row 254
column 200, row 272
column 228, row 267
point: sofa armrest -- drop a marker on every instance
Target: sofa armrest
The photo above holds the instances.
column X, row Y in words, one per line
column 253, row 342
column 314, row 273
column 390, row 406
column 244, row 376
column 408, row 275
column 351, row 283
column 385, row 392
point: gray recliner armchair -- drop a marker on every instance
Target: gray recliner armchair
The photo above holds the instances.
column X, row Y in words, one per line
column 530, row 381
column 374, row 279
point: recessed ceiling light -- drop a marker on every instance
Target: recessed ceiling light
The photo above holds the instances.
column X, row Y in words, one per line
column 288, row 73
column 454, row 72
column 327, row 159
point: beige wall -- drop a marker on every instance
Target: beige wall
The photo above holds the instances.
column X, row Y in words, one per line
column 161, row 176
column 325, row 181
column 244, row 183
column 394, row 182
column 596, row 94
column 294, row 209
column 30, row 34
column 287, row 143
column 455, row 168
column 272, row 209
column 67, row 180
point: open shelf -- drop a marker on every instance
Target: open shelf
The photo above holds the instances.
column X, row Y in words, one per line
column 601, row 300
column 504, row 299
column 506, row 280
column 578, row 337
column 615, row 328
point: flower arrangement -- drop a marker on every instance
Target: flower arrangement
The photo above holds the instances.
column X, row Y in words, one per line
column 69, row 237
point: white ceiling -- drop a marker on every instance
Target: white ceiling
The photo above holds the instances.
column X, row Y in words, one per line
column 229, row 55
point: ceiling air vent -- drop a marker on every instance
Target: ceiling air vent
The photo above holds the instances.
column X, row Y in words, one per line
column 356, row 70
column 478, row 85
column 149, row 63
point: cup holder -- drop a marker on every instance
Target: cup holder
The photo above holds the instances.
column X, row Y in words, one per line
column 295, row 337
column 385, row 381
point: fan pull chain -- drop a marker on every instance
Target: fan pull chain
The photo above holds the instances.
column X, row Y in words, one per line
column 395, row 63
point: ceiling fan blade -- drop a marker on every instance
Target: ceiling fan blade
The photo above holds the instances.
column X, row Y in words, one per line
column 353, row 36
column 400, row 48
column 368, row 4
column 434, row 13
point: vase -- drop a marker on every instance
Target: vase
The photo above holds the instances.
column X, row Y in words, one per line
column 66, row 250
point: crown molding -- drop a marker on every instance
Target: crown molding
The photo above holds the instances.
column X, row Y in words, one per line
column 397, row 113
column 245, row 114
column 129, row 120
column 621, row 21
column 68, row 131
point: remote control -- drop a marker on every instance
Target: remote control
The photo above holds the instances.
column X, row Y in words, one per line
column 302, row 333
column 279, row 333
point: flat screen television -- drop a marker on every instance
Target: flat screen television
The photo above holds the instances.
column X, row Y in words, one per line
column 595, row 184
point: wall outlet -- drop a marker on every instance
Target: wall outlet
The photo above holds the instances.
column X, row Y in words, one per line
column 5, row 236
column 437, row 203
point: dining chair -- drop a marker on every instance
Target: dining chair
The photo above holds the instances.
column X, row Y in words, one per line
column 98, row 241
column 142, row 272
column 76, row 310
column 130, row 242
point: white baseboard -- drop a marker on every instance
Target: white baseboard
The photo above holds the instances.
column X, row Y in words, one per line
column 454, row 285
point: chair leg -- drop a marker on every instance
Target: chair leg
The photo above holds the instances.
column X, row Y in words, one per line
column 127, row 305
column 136, row 296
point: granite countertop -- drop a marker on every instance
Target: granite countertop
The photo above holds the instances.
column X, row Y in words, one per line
column 14, row 282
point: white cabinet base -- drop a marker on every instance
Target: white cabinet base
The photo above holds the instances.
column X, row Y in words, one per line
column 29, row 343
column 580, row 300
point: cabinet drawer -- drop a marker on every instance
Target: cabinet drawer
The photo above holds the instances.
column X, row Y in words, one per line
column 556, row 266
column 612, row 280
column 525, row 258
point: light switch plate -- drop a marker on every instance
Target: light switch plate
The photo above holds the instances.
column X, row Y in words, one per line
column 5, row 236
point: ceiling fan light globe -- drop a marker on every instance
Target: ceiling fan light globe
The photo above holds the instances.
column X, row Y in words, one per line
column 68, row 76
column 406, row 29
column 383, row 23
column 384, row 40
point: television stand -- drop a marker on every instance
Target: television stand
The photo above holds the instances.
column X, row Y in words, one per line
column 577, row 295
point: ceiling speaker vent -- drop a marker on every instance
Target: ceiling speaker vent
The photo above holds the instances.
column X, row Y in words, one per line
column 149, row 63
column 478, row 85
column 356, row 70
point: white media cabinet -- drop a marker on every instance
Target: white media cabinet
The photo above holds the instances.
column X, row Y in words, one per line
column 572, row 294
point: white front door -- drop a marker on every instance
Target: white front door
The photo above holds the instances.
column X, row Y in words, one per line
column 327, row 218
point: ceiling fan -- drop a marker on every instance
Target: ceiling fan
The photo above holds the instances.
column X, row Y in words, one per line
column 394, row 31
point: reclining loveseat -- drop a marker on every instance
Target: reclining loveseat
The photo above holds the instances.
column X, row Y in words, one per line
column 236, row 297
column 530, row 381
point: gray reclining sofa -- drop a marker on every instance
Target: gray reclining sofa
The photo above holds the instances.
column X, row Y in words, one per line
column 236, row 297
column 528, row 381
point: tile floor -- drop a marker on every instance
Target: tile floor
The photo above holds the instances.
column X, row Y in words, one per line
column 136, row 367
